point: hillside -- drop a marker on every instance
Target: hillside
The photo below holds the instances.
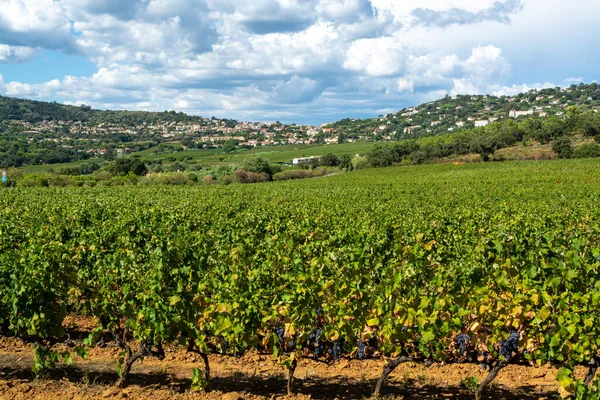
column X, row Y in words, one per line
column 32, row 111
column 40, row 133
column 465, row 111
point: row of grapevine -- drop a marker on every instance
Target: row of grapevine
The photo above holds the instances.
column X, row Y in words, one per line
column 427, row 265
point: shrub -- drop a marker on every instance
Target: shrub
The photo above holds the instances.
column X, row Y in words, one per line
column 123, row 166
column 258, row 165
column 301, row 174
column 192, row 177
column 101, row 175
column 294, row 174
column 346, row 162
column 61, row 180
column 562, row 147
column 359, row 162
column 33, row 180
column 587, row 150
column 242, row 176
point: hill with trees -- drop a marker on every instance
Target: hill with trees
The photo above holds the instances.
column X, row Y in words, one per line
column 36, row 133
column 461, row 112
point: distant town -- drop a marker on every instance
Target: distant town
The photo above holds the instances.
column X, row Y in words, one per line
column 71, row 133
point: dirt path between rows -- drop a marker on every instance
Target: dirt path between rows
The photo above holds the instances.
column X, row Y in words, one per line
column 257, row 376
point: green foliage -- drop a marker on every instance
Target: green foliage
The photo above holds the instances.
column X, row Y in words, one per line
column 470, row 383
column 123, row 166
column 169, row 178
column 359, row 162
column 199, row 381
column 562, row 147
column 33, row 180
column 412, row 256
column 44, row 359
column 346, row 162
column 329, row 160
column 258, row 165
column 585, row 392
column 587, row 150
column 485, row 146
column 228, row 147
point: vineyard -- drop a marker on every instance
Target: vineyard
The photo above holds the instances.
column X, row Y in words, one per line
column 493, row 264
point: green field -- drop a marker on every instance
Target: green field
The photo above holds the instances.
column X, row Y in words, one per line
column 214, row 157
column 435, row 264
column 283, row 153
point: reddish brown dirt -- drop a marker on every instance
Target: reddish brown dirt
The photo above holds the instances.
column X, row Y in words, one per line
column 253, row 376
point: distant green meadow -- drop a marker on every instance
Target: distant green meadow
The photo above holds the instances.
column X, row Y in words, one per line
column 215, row 157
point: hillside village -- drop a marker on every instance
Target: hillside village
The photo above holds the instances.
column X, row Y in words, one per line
column 466, row 112
column 40, row 133
column 208, row 133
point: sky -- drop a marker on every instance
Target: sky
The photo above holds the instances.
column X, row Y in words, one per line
column 295, row 61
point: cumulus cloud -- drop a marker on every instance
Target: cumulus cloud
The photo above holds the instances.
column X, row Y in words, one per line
column 35, row 23
column 119, row 8
column 15, row 54
column 574, row 80
column 347, row 11
column 499, row 12
column 298, row 90
column 377, row 57
column 295, row 60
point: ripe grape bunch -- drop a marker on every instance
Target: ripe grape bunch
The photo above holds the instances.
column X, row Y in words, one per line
column 361, row 349
column 315, row 343
column 335, row 349
column 462, row 340
column 510, row 346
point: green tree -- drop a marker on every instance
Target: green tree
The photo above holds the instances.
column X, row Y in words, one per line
column 228, row 147
column 485, row 146
column 562, row 147
column 346, row 162
column 329, row 160
column 123, row 166
column 258, row 165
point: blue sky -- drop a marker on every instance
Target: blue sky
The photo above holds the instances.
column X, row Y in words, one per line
column 303, row 61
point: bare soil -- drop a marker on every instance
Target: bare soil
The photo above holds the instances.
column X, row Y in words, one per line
column 253, row 376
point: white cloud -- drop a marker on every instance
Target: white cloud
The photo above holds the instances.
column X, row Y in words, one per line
column 297, row 59
column 346, row 11
column 35, row 23
column 499, row 11
column 15, row 54
column 298, row 90
column 377, row 57
column 574, row 80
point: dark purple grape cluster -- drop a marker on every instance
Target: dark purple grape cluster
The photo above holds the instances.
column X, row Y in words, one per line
column 462, row 340
column 336, row 348
column 510, row 346
column 361, row 349
column 280, row 332
column 315, row 343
